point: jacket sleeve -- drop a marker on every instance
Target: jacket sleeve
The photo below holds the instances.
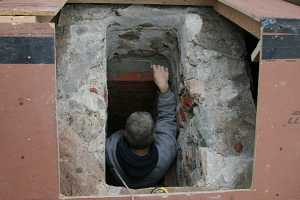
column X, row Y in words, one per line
column 166, row 119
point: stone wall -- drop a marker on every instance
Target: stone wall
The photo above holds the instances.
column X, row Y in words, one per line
column 216, row 110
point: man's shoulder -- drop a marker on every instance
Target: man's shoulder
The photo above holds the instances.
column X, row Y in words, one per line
column 115, row 137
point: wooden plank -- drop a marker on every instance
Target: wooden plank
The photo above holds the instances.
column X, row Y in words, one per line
column 18, row 19
column 244, row 21
column 277, row 127
column 27, row 30
column 31, row 7
column 255, row 54
column 29, row 152
column 258, row 9
column 43, row 19
column 162, row 2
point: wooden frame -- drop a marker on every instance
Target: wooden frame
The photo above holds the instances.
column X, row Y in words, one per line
column 29, row 153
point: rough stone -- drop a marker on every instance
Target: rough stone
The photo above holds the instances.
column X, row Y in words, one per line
column 81, row 173
column 196, row 88
column 225, row 172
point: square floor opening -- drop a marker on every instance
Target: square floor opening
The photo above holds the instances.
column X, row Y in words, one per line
column 103, row 73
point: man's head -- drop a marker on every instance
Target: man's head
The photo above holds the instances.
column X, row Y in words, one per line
column 139, row 130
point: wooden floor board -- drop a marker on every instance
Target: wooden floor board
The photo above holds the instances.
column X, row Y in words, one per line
column 258, row 9
column 29, row 152
column 160, row 2
column 255, row 9
column 31, row 7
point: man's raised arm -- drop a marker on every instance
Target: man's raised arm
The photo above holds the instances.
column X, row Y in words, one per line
column 166, row 119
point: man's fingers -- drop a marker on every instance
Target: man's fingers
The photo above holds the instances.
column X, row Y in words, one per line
column 154, row 67
column 159, row 68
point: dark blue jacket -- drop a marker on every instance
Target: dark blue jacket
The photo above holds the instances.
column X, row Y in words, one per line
column 165, row 141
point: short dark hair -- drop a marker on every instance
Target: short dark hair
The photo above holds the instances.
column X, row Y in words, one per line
column 139, row 130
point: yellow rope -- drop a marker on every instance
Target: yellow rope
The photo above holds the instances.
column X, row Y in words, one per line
column 159, row 190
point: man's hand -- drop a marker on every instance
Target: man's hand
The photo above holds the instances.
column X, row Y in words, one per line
column 161, row 77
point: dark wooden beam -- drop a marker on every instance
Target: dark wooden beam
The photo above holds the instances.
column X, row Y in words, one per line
column 244, row 21
column 159, row 2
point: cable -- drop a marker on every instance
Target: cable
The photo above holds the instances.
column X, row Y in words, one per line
column 124, row 183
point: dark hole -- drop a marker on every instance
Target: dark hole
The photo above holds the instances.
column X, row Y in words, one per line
column 22, row 157
column 130, row 89
column 126, row 97
column 253, row 68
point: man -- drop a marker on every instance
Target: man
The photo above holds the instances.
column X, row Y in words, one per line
column 140, row 155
